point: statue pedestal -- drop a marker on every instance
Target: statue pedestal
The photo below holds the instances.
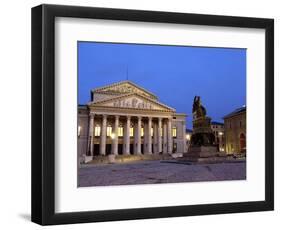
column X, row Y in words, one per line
column 202, row 135
column 202, row 155
column 202, row 141
column 202, row 151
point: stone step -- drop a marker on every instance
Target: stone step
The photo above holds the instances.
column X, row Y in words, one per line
column 128, row 158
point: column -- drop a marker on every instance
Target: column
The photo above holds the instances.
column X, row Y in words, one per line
column 139, row 136
column 91, row 135
column 114, row 149
column 149, row 141
column 135, row 135
column 165, row 147
column 184, row 136
column 159, row 135
column 145, row 136
column 169, row 131
column 103, row 135
column 155, row 137
column 127, row 135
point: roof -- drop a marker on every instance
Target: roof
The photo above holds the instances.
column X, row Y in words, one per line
column 132, row 94
column 99, row 89
column 236, row 112
column 80, row 106
column 217, row 123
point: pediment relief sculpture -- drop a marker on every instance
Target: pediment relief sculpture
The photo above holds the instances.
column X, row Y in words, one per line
column 134, row 101
column 125, row 88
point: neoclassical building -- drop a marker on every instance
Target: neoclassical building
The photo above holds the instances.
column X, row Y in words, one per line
column 124, row 118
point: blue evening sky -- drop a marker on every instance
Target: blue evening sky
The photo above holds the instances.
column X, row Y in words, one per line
column 174, row 73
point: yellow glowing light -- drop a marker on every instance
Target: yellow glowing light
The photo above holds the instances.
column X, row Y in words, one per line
column 120, row 131
column 220, row 133
column 79, row 130
column 131, row 132
column 97, row 131
column 174, row 131
column 187, row 136
column 112, row 135
column 108, row 131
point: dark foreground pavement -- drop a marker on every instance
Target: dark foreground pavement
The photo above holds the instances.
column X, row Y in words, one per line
column 154, row 172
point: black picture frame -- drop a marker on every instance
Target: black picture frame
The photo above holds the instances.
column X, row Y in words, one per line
column 43, row 114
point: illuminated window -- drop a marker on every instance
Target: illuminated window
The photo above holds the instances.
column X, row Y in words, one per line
column 97, row 131
column 131, row 131
column 142, row 131
column 161, row 132
column 108, row 131
column 151, row 131
column 120, row 131
column 174, row 132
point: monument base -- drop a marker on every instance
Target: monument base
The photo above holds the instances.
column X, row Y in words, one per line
column 202, row 151
column 205, row 155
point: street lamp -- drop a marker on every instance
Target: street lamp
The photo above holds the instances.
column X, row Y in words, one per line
column 187, row 136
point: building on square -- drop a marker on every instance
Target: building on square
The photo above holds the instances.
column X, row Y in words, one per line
column 218, row 130
column 188, row 134
column 124, row 118
column 235, row 131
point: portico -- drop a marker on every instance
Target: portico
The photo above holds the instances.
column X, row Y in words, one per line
column 125, row 119
column 136, row 134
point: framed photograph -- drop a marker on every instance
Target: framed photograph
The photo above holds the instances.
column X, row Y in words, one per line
column 143, row 114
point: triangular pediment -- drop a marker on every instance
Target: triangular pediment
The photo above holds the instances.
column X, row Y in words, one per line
column 133, row 101
column 125, row 87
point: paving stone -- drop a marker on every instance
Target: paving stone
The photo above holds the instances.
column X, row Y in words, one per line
column 151, row 172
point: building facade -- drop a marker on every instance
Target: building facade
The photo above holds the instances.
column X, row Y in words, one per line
column 124, row 118
column 235, row 131
column 218, row 130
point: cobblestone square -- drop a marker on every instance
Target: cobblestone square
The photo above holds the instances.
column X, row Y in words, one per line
column 155, row 172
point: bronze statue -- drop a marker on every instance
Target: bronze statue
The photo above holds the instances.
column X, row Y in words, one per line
column 202, row 132
column 198, row 110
